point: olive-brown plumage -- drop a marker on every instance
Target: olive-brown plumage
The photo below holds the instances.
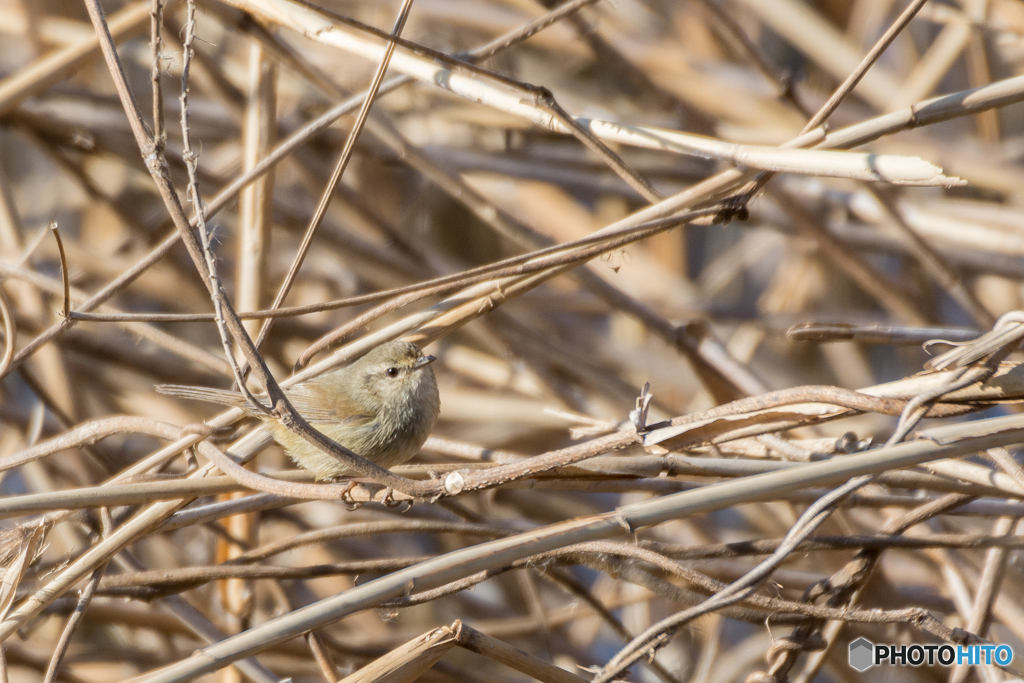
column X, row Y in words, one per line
column 382, row 407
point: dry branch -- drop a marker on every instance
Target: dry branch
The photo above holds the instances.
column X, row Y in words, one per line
column 564, row 203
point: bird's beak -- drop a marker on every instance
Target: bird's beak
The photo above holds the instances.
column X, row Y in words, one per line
column 423, row 361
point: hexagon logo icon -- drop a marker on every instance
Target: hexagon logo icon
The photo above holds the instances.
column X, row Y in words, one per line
column 862, row 654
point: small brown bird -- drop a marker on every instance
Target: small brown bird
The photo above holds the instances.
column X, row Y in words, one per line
column 382, row 407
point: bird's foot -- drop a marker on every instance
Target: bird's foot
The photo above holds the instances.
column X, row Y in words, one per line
column 351, row 504
column 388, row 499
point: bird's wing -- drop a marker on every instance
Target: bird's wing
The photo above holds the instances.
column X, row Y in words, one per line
column 310, row 398
column 321, row 403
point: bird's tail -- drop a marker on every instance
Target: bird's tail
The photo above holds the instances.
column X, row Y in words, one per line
column 219, row 396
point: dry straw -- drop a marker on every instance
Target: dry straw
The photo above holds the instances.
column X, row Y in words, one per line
column 603, row 218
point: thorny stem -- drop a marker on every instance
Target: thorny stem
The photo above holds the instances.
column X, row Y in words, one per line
column 191, row 165
column 156, row 48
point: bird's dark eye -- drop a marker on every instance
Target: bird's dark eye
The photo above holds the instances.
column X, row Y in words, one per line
column 392, row 372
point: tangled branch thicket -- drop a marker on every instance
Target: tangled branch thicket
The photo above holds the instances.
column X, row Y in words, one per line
column 726, row 297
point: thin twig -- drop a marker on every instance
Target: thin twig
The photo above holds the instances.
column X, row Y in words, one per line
column 10, row 331
column 156, row 71
column 190, row 158
column 880, row 46
column 60, row 650
column 604, row 242
column 339, row 168
column 65, row 278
